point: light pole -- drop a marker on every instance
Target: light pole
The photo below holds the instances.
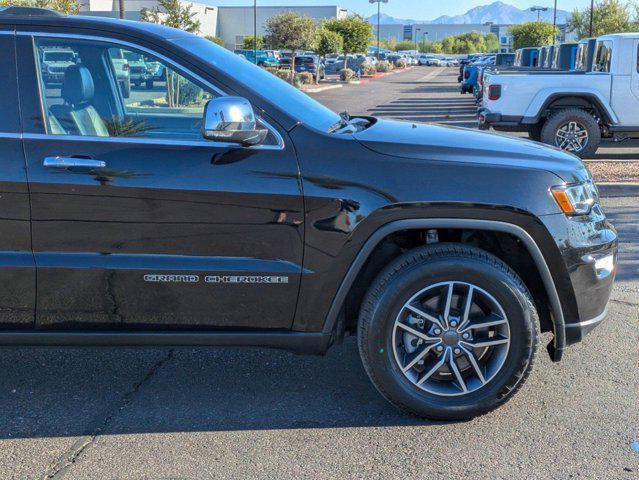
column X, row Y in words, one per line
column 379, row 9
column 592, row 13
column 539, row 10
column 554, row 22
column 255, row 31
column 121, row 5
column 416, row 35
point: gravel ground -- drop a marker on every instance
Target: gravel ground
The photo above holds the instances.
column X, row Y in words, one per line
column 615, row 171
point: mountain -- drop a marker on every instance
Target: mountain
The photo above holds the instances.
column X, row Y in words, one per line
column 388, row 20
column 497, row 12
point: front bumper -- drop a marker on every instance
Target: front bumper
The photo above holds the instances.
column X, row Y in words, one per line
column 588, row 247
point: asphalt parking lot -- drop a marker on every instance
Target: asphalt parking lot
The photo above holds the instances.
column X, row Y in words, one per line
column 253, row 413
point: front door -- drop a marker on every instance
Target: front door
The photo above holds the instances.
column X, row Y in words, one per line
column 137, row 221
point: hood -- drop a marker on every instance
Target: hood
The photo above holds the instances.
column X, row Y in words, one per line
column 452, row 144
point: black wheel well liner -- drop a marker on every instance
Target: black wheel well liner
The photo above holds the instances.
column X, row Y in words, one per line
column 579, row 100
column 335, row 321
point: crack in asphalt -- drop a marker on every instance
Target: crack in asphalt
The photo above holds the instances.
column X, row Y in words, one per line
column 62, row 465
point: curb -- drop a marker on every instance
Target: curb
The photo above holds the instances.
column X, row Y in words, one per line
column 322, row 88
column 618, row 189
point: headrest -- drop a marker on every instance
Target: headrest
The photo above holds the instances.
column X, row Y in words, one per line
column 77, row 88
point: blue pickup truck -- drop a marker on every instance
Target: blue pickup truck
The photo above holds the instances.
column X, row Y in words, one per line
column 262, row 58
column 473, row 71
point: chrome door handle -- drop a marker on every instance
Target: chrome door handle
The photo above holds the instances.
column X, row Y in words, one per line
column 72, row 162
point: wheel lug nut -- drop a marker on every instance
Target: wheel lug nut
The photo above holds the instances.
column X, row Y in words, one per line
column 466, row 335
column 457, row 351
column 440, row 348
column 453, row 323
column 438, row 331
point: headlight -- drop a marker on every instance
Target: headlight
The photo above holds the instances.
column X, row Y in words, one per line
column 576, row 199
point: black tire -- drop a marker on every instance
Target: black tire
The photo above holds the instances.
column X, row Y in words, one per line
column 583, row 119
column 149, row 84
column 534, row 131
column 430, row 265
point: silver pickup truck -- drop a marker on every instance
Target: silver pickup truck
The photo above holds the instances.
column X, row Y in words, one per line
column 570, row 110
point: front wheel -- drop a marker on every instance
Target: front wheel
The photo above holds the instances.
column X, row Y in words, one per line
column 447, row 332
column 573, row 130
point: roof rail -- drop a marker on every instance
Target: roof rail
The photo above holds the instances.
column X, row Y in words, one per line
column 29, row 11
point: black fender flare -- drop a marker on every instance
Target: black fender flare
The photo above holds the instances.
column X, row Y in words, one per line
column 555, row 348
column 586, row 97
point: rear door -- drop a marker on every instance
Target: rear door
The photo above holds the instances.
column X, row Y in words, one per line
column 17, row 269
column 162, row 229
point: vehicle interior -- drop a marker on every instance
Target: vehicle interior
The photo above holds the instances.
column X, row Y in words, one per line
column 90, row 101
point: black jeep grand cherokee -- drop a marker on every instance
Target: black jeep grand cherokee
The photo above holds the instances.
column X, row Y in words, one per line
column 224, row 207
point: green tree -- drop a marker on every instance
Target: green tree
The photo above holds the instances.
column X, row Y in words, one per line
column 249, row 43
column 492, row 43
column 533, row 34
column 328, row 42
column 291, row 31
column 66, row 7
column 355, row 32
column 172, row 13
column 610, row 16
column 431, row 47
column 405, row 45
column 218, row 40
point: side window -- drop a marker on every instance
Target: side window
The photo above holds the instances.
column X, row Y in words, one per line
column 603, row 57
column 99, row 89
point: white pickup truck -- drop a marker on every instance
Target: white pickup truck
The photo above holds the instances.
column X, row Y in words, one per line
column 570, row 110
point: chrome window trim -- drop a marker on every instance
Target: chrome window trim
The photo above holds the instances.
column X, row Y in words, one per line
column 158, row 141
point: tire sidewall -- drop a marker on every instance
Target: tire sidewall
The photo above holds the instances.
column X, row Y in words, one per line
column 584, row 119
column 408, row 282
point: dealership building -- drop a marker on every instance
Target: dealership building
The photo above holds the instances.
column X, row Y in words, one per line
column 232, row 24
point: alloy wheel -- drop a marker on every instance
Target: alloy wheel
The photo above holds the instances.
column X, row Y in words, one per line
column 451, row 338
column 572, row 137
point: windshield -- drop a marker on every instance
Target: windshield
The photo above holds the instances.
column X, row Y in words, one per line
column 263, row 83
column 58, row 56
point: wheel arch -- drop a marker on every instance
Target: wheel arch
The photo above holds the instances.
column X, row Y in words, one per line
column 335, row 322
column 570, row 99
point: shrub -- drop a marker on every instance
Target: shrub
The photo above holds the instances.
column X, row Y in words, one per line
column 368, row 68
column 284, row 75
column 400, row 63
column 307, row 78
column 272, row 70
column 346, row 75
column 383, row 67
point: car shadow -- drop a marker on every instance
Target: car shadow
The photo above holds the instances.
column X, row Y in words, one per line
column 72, row 392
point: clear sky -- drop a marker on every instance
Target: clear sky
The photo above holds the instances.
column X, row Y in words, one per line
column 414, row 9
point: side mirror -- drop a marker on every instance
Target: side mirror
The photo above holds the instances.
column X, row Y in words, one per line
column 232, row 120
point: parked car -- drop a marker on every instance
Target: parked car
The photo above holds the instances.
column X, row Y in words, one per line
column 263, row 58
column 312, row 64
column 422, row 59
column 585, row 54
column 122, row 71
column 471, row 73
column 244, row 213
column 571, row 110
column 139, row 73
column 54, row 63
column 527, row 57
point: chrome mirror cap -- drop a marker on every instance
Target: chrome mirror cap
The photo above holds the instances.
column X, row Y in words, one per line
column 232, row 120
